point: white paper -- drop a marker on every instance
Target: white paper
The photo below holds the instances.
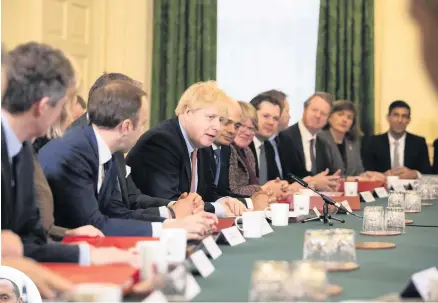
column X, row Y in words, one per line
column 347, row 206
column 202, row 263
column 233, row 235
column 212, row 248
column 381, row 192
column 266, row 228
column 422, row 279
column 192, row 288
column 316, row 211
column 367, row 196
column 156, row 296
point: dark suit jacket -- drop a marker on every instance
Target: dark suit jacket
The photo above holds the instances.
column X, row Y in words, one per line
column 273, row 171
column 435, row 157
column 377, row 154
column 71, row 165
column 132, row 196
column 223, row 187
column 160, row 164
column 20, row 213
column 292, row 152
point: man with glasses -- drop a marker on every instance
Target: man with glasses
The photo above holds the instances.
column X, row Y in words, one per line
column 397, row 152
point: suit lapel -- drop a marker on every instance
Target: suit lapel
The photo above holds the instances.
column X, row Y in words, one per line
column 91, row 136
column 409, row 153
column 121, row 174
column 7, row 190
column 273, row 171
column 185, row 159
column 386, row 152
column 298, row 143
column 252, row 147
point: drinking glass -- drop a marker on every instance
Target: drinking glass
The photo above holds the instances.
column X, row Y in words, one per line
column 395, row 219
column 396, row 199
column 412, row 201
column 267, row 283
column 373, row 219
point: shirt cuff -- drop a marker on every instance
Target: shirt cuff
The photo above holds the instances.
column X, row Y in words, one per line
column 171, row 203
column 84, row 254
column 157, row 229
column 219, row 210
column 249, row 203
column 164, row 212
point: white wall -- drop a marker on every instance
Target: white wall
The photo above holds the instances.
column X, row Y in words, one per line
column 264, row 45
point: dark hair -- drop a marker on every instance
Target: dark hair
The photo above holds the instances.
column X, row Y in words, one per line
column 81, row 101
column 39, row 71
column 14, row 286
column 340, row 105
column 260, row 98
column 106, row 78
column 326, row 96
column 118, row 100
column 398, row 104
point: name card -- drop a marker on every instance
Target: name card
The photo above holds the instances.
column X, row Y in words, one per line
column 233, row 236
column 192, row 288
column 381, row 192
column 367, row 196
column 266, row 228
column 422, row 281
column 212, row 248
column 398, row 186
column 202, row 263
column 347, row 206
column 155, row 296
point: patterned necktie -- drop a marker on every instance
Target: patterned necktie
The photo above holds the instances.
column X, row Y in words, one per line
column 263, row 166
column 217, row 160
column 194, row 160
column 312, row 156
column 396, row 162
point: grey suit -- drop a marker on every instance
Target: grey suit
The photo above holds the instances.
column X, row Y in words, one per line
column 354, row 166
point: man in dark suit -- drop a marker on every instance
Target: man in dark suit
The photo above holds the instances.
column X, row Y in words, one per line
column 38, row 89
column 81, row 168
column 303, row 152
column 435, row 157
column 397, row 152
column 173, row 157
column 133, row 198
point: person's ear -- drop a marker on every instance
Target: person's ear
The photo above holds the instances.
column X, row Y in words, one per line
column 40, row 107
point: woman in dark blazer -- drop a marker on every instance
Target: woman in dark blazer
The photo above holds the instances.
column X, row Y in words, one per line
column 342, row 138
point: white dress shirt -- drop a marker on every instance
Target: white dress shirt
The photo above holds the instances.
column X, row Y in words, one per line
column 105, row 155
column 306, row 136
column 257, row 145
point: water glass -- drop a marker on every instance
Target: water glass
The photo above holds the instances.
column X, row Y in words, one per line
column 344, row 241
column 307, row 282
column 395, row 219
column 412, row 201
column 373, row 219
column 267, row 282
column 396, row 199
column 174, row 284
column 317, row 245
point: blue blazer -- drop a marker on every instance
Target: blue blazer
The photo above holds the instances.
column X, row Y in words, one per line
column 71, row 166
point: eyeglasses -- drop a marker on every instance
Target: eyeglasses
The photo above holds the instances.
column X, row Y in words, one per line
column 243, row 127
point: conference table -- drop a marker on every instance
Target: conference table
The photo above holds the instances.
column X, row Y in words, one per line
column 380, row 272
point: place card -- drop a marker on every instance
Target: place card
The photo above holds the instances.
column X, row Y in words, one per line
column 192, row 287
column 367, row 196
column 381, row 192
column 421, row 281
column 202, row 263
column 155, row 296
column 266, row 228
column 233, row 235
column 347, row 206
column 397, row 186
column 316, row 211
column 212, row 248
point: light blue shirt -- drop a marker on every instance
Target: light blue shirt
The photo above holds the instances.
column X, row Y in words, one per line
column 277, row 155
column 219, row 209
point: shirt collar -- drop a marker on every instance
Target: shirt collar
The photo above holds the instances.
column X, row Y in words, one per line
column 272, row 140
column 189, row 145
column 102, row 148
column 257, row 142
column 214, row 146
column 392, row 139
column 305, row 134
column 13, row 144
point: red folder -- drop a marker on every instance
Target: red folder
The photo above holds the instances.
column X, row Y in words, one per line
column 119, row 242
column 224, row 223
column 120, row 274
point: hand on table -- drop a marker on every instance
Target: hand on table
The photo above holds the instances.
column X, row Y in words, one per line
column 11, row 245
column 197, row 226
column 261, row 199
column 233, row 207
column 49, row 283
column 403, row 173
column 279, row 188
column 87, row 230
column 187, row 205
column 324, row 182
column 112, row 255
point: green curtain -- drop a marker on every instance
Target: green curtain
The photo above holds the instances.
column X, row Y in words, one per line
column 345, row 54
column 184, row 51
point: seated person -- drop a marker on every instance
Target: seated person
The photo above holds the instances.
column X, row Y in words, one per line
column 397, row 152
column 38, row 88
column 171, row 158
column 435, row 157
column 81, row 169
column 342, row 138
column 133, row 198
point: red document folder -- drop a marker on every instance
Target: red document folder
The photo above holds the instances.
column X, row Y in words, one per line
column 224, row 223
column 119, row 242
column 119, row 274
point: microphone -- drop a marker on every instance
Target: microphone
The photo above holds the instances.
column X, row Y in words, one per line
column 326, row 199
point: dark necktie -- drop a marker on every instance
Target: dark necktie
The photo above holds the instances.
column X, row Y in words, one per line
column 217, row 161
column 263, row 166
column 312, row 156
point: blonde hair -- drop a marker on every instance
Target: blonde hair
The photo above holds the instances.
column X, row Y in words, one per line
column 248, row 112
column 201, row 95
